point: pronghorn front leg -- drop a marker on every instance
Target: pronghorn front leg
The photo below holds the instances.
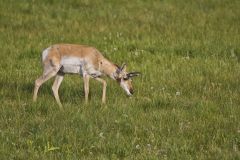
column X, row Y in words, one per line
column 86, row 86
column 104, row 89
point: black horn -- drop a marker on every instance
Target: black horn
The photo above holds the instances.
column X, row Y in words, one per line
column 133, row 74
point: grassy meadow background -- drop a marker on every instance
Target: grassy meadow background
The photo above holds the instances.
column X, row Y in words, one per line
column 186, row 102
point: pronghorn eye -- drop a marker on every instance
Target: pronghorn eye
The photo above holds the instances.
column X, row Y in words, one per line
column 125, row 78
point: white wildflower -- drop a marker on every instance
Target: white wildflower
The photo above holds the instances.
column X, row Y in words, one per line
column 136, row 53
column 178, row 93
column 101, row 135
column 137, row 146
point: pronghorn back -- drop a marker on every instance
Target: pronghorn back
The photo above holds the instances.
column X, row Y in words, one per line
column 81, row 51
column 77, row 59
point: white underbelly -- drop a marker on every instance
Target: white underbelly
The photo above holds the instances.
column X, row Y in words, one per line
column 72, row 65
column 74, row 69
column 77, row 65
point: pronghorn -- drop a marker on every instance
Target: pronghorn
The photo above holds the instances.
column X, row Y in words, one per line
column 87, row 61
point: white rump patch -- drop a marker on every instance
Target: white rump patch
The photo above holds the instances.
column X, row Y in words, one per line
column 45, row 54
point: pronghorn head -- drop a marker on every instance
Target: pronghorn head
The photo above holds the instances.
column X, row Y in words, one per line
column 124, row 79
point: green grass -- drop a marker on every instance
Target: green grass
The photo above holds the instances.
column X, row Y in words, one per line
column 186, row 103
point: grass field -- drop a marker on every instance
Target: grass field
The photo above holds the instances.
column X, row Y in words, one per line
column 186, row 103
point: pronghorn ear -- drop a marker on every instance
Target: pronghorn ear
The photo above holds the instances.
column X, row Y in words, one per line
column 120, row 69
column 123, row 68
column 133, row 74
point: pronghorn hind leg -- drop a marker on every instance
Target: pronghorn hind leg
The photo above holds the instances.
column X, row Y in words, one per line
column 55, row 87
column 86, row 86
column 41, row 80
column 104, row 89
